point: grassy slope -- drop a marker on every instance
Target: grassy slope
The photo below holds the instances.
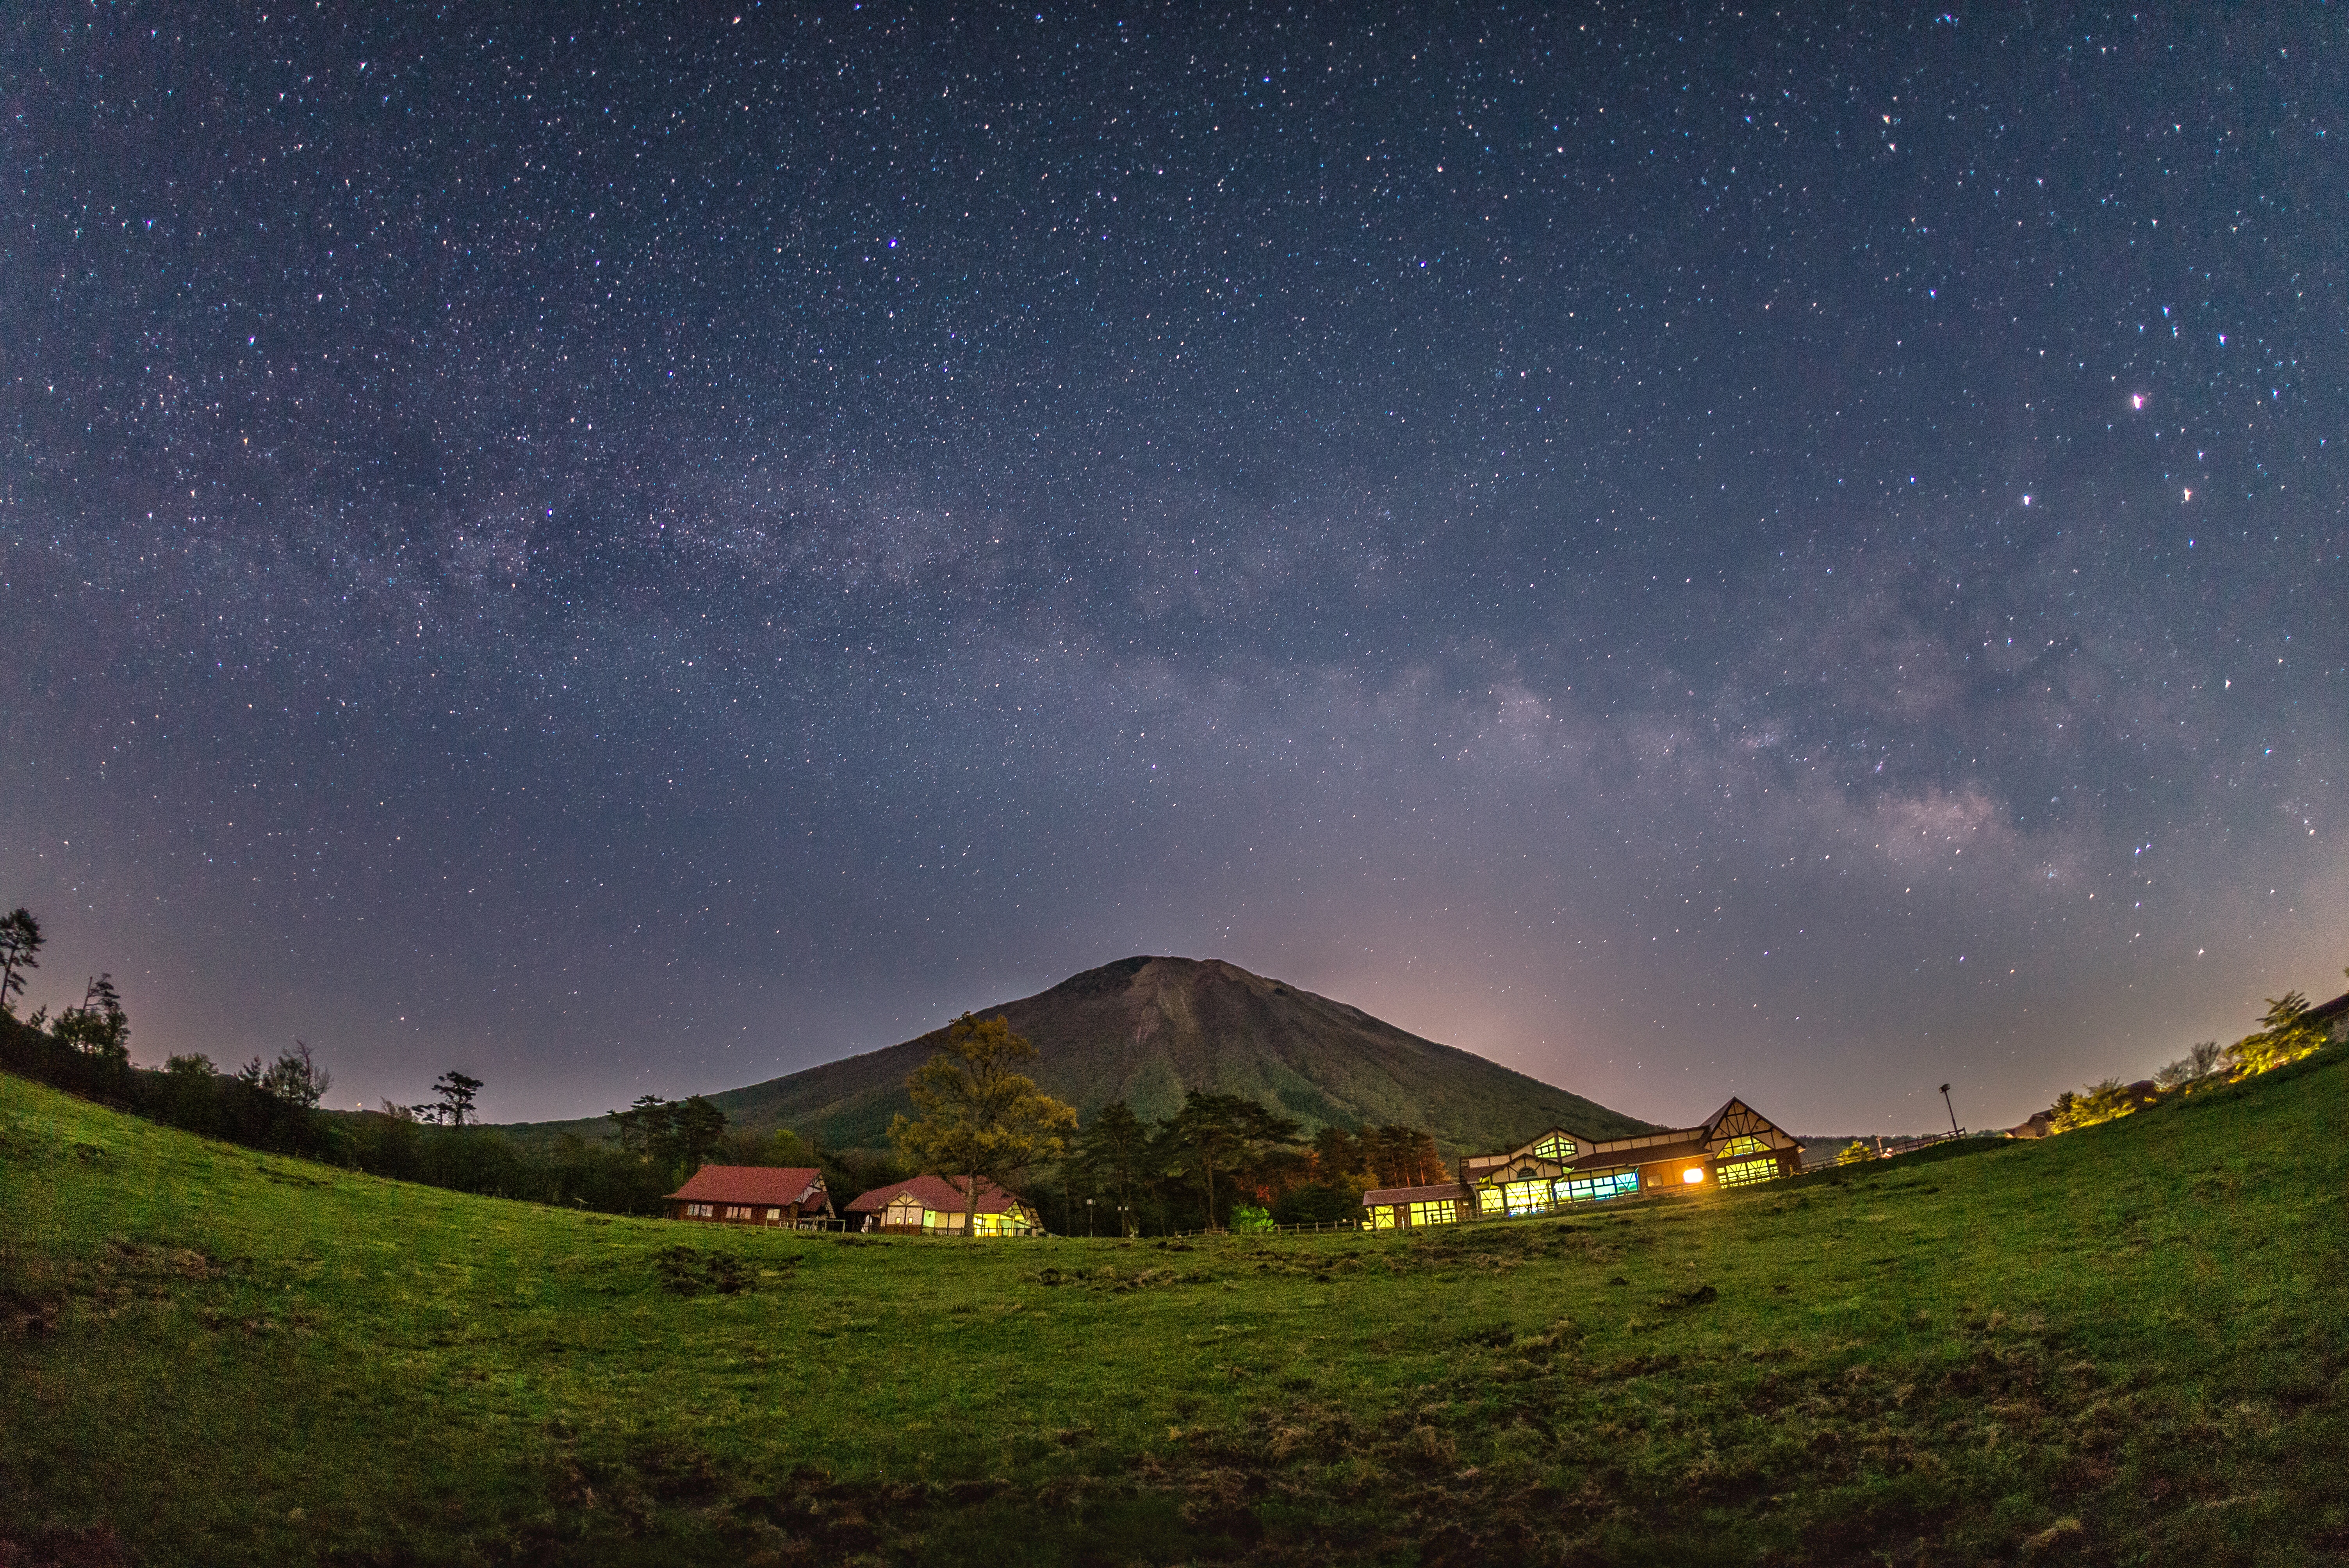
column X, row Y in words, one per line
column 1143, row 1028
column 2123, row 1345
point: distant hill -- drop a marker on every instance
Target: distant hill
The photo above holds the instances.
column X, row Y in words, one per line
column 1145, row 1029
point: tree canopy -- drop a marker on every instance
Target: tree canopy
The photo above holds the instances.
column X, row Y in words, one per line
column 981, row 1118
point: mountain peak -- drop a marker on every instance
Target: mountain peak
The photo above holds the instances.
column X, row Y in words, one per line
column 1148, row 1028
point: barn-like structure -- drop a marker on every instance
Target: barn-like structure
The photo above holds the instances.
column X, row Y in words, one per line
column 1735, row 1147
column 792, row 1198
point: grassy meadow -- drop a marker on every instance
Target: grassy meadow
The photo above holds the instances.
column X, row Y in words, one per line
column 2127, row 1345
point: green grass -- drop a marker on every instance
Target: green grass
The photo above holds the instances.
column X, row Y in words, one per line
column 2125, row 1345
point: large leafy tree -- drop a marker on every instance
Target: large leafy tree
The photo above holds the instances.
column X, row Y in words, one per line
column 20, row 948
column 981, row 1118
column 700, row 1130
column 1338, row 1155
column 1224, row 1132
column 1401, row 1155
column 645, row 1127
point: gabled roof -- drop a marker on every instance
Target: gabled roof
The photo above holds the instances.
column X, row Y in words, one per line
column 935, row 1192
column 1739, row 1119
column 1380, row 1196
column 775, row 1184
column 1581, row 1140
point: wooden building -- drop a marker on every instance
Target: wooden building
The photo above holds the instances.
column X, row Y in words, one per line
column 933, row 1206
column 1735, row 1147
column 1416, row 1207
column 790, row 1197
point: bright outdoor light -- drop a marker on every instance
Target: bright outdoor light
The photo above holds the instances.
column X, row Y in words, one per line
column 1693, row 1175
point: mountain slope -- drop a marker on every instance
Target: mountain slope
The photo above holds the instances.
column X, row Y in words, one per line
column 1145, row 1029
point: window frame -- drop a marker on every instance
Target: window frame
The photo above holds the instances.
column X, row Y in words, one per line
column 1747, row 1172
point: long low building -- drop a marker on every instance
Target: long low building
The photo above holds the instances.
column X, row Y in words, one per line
column 794, row 1197
column 936, row 1205
column 1735, row 1147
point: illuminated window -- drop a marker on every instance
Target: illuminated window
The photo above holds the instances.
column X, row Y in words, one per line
column 1596, row 1189
column 774, row 1213
column 1557, row 1148
column 1694, row 1176
column 1528, row 1197
column 1382, row 1217
column 1745, row 1173
column 1440, row 1212
column 1737, row 1145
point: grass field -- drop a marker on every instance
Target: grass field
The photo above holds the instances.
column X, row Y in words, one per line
column 2126, row 1345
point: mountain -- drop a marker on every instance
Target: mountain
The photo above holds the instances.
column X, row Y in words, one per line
column 1145, row 1029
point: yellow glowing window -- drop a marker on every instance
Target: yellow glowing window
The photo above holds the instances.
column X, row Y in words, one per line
column 1745, row 1173
column 1737, row 1145
column 1694, row 1175
column 1554, row 1148
column 1439, row 1212
column 1382, row 1217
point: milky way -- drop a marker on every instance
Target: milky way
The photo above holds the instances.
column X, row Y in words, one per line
column 1686, row 553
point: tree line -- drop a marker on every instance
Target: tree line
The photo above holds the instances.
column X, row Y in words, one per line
column 2288, row 1031
column 276, row 1106
column 1221, row 1160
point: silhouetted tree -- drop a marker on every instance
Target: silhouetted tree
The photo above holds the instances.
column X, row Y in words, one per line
column 1111, row 1155
column 644, row 1127
column 456, row 1090
column 100, row 1026
column 20, row 946
column 294, row 1079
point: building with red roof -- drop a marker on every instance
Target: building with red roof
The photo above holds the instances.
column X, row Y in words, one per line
column 934, row 1205
column 790, row 1197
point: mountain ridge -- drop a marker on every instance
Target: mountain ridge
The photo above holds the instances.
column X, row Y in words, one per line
column 1145, row 1029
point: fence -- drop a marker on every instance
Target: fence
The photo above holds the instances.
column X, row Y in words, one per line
column 1882, row 1149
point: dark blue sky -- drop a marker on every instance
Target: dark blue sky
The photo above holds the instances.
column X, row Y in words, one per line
column 1792, row 554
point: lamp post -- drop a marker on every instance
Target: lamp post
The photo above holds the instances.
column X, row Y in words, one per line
column 1089, row 1219
column 1953, row 1110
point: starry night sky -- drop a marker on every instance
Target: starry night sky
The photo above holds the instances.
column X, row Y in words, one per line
column 1792, row 554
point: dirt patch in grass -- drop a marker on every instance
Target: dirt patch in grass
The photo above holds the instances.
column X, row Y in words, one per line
column 1110, row 1277
column 687, row 1271
column 36, row 1293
